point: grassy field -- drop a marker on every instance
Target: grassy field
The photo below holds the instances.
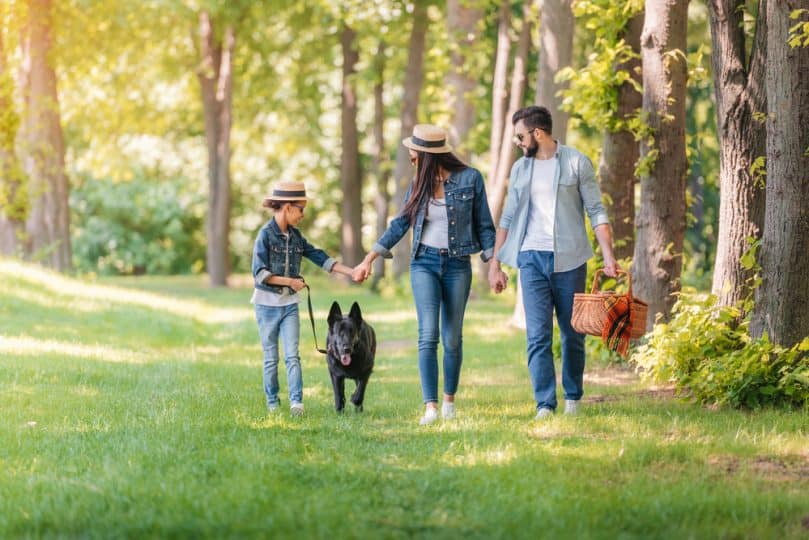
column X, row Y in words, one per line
column 134, row 408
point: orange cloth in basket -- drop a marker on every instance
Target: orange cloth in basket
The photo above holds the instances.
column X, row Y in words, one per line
column 618, row 326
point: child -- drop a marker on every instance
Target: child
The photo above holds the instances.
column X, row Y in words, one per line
column 277, row 257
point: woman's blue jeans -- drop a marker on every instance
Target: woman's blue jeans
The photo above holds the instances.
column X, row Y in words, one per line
column 441, row 288
column 283, row 322
column 544, row 290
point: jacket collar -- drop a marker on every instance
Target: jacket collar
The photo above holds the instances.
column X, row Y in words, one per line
column 276, row 230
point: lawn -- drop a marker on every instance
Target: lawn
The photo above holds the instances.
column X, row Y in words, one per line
column 133, row 407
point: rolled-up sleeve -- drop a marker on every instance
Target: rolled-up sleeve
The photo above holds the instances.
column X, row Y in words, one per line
column 318, row 256
column 590, row 193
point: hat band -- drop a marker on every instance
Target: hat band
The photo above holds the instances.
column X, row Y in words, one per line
column 427, row 144
column 282, row 193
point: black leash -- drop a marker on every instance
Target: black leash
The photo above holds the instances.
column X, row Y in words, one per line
column 312, row 316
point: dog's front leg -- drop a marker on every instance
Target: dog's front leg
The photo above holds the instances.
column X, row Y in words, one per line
column 359, row 394
column 338, row 382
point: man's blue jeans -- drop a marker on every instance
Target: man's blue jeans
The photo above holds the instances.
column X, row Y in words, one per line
column 441, row 288
column 272, row 323
column 544, row 290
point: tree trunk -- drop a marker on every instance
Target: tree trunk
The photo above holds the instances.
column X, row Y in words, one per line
column 661, row 221
column 350, row 175
column 13, row 207
column 462, row 26
column 740, row 94
column 499, row 88
column 48, row 224
column 620, row 151
column 403, row 172
column 555, row 52
column 784, row 293
column 216, row 81
column 382, row 198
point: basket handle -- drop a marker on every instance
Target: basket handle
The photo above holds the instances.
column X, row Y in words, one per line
column 598, row 273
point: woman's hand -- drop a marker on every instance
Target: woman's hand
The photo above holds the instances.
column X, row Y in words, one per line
column 361, row 272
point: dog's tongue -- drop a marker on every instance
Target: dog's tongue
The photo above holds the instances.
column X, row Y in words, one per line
column 345, row 359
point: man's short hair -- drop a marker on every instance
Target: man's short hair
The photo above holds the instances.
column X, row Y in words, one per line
column 534, row 117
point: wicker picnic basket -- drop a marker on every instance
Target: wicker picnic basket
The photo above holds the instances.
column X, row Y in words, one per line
column 590, row 313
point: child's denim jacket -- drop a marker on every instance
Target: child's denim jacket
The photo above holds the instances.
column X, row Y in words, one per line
column 276, row 254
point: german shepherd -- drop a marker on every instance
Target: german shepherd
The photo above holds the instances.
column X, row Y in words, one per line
column 351, row 348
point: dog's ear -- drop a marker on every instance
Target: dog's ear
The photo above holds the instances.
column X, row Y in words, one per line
column 334, row 313
column 355, row 314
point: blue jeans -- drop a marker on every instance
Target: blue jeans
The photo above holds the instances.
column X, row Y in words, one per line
column 283, row 321
column 440, row 287
column 542, row 291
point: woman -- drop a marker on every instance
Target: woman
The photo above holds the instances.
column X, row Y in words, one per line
column 446, row 206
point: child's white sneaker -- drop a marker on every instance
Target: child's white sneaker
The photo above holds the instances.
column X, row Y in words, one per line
column 296, row 409
column 448, row 410
column 430, row 416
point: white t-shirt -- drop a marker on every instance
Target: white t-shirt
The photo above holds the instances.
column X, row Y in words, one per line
column 539, row 231
column 436, row 232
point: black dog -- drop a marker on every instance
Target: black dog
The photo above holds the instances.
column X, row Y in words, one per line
column 351, row 347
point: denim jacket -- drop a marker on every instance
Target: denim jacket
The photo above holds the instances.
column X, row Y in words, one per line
column 469, row 221
column 277, row 255
column 576, row 191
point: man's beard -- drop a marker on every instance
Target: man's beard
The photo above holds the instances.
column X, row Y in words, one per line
column 532, row 150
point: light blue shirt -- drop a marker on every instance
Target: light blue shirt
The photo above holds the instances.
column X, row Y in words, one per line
column 576, row 190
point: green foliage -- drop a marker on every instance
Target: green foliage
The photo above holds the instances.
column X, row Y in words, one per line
column 799, row 32
column 137, row 227
column 709, row 354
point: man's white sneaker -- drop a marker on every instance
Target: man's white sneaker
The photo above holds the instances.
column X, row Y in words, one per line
column 430, row 416
column 542, row 413
column 448, row 410
column 572, row 406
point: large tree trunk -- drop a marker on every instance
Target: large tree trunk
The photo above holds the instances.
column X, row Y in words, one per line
column 462, row 27
column 13, row 207
column 555, row 52
column 350, row 175
column 784, row 293
column 216, row 80
column 620, row 151
column 499, row 88
column 414, row 75
column 661, row 221
column 740, row 94
column 48, row 223
column 382, row 198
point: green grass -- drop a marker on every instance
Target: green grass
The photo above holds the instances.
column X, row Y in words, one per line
column 134, row 408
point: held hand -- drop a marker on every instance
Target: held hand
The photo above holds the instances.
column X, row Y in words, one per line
column 297, row 284
column 497, row 279
column 611, row 266
column 361, row 272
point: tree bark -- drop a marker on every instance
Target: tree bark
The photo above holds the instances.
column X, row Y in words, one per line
column 350, row 175
column 382, row 173
column 216, row 81
column 620, row 151
column 462, row 26
column 740, row 93
column 13, row 207
column 782, row 298
column 414, row 75
column 661, row 220
column 499, row 88
column 555, row 52
column 48, row 224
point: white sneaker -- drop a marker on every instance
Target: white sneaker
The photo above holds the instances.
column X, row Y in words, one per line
column 543, row 413
column 272, row 408
column 572, row 406
column 430, row 416
column 448, row 410
column 296, row 409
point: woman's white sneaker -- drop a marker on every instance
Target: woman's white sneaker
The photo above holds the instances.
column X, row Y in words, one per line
column 430, row 416
column 448, row 410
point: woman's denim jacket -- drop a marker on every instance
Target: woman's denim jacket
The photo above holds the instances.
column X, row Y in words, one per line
column 469, row 221
column 277, row 255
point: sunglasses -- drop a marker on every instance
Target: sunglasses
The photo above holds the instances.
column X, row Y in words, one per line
column 298, row 206
column 518, row 137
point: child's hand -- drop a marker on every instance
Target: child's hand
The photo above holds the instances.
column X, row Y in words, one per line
column 297, row 284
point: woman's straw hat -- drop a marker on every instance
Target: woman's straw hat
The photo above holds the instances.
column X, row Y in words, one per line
column 428, row 138
column 286, row 191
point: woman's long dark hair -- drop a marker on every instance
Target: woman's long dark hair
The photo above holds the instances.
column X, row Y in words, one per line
column 426, row 179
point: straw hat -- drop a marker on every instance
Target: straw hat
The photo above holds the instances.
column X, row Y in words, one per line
column 428, row 138
column 286, row 191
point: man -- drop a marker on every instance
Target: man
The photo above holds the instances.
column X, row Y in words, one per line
column 542, row 233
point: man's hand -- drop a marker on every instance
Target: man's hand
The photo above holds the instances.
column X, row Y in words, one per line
column 611, row 266
column 497, row 278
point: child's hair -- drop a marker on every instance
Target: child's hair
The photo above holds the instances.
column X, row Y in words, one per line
column 274, row 205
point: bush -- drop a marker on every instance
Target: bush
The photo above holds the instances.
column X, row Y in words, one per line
column 708, row 354
column 137, row 227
